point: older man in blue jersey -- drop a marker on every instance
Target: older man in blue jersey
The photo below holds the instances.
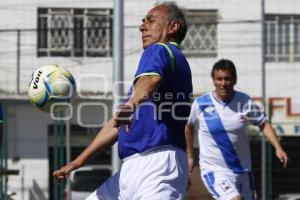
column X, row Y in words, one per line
column 147, row 127
column 221, row 118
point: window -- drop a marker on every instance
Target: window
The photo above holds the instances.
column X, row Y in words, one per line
column 201, row 37
column 282, row 38
column 74, row 32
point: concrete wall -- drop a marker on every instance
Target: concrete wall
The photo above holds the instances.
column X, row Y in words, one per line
column 237, row 40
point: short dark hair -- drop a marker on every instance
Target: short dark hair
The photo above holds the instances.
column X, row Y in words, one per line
column 176, row 14
column 224, row 64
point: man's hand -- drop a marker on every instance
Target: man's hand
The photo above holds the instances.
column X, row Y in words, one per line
column 189, row 182
column 282, row 156
column 270, row 133
column 124, row 116
column 63, row 172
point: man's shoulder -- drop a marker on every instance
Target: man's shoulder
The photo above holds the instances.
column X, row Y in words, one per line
column 154, row 50
column 203, row 98
column 161, row 47
column 242, row 95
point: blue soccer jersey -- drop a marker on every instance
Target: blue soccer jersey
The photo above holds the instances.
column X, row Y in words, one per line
column 223, row 142
column 161, row 119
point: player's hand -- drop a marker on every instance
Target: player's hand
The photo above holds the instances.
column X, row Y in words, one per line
column 189, row 182
column 63, row 172
column 124, row 116
column 282, row 156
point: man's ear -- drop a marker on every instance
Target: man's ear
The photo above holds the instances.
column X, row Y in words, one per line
column 174, row 27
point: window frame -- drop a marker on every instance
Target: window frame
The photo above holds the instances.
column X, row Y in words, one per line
column 283, row 44
column 207, row 22
column 82, row 35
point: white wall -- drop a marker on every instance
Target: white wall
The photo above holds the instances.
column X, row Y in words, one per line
column 237, row 40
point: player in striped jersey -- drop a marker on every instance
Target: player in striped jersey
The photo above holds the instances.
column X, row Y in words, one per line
column 221, row 118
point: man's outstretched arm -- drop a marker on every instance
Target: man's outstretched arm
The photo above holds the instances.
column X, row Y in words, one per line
column 104, row 139
column 270, row 133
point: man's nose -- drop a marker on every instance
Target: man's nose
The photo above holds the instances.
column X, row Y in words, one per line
column 223, row 82
column 142, row 27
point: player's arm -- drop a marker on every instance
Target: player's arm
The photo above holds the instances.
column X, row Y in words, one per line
column 270, row 133
column 104, row 139
column 189, row 132
column 143, row 89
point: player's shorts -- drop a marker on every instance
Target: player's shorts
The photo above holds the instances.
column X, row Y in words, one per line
column 159, row 173
column 225, row 186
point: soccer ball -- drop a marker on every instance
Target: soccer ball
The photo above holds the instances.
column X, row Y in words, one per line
column 51, row 84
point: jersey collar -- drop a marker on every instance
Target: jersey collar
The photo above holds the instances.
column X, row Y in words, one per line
column 223, row 103
column 174, row 43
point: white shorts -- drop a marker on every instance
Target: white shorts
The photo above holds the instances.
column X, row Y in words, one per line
column 225, row 186
column 156, row 174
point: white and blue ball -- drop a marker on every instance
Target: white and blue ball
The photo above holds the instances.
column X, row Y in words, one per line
column 51, row 84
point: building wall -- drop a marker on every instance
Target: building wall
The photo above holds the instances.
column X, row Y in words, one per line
column 237, row 40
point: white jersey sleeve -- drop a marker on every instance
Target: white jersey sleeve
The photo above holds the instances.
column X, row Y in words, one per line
column 194, row 116
column 253, row 113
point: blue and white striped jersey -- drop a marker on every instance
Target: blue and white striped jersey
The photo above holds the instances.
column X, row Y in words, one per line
column 223, row 143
